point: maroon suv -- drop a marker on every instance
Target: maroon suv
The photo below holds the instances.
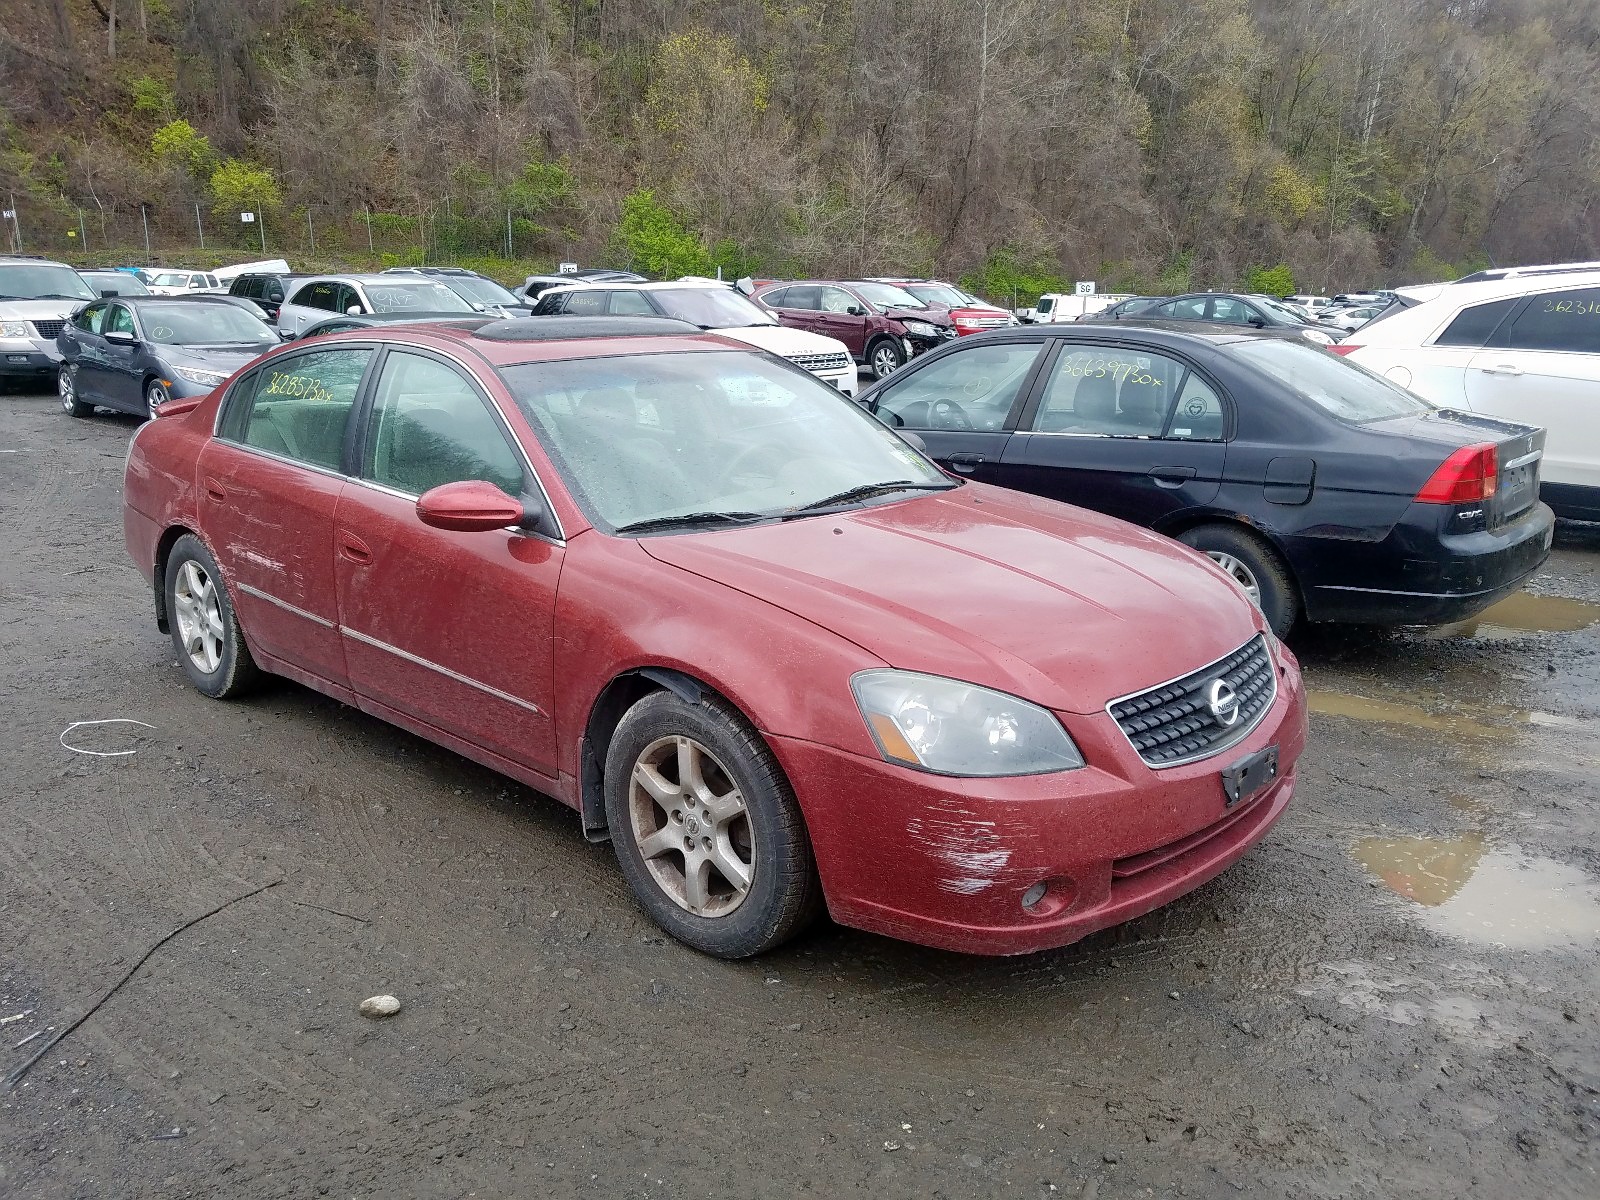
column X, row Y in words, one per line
column 883, row 325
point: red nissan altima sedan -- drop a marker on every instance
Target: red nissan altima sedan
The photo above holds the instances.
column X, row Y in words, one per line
column 762, row 644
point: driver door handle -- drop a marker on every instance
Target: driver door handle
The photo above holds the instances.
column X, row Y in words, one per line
column 965, row 463
column 1502, row 369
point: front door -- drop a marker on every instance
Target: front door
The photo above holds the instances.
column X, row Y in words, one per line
column 1121, row 430
column 450, row 629
column 121, row 381
column 842, row 316
column 268, row 486
column 961, row 403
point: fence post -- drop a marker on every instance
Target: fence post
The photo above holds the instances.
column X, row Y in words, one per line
column 370, row 249
column 261, row 225
column 83, row 234
column 16, row 226
column 510, row 249
column 310, row 232
column 144, row 219
column 199, row 227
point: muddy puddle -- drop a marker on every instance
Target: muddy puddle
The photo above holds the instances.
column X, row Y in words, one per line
column 1473, row 722
column 1520, row 616
column 1497, row 896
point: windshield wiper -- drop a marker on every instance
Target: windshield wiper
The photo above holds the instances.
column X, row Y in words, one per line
column 866, row 491
column 678, row 520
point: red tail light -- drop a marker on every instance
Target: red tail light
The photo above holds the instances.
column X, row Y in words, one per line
column 1468, row 476
column 1343, row 347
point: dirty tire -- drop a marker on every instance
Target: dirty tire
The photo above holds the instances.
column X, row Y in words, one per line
column 67, row 389
column 234, row 671
column 1238, row 550
column 885, row 356
column 783, row 893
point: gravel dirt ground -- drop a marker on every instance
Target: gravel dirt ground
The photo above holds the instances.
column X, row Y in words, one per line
column 1397, row 994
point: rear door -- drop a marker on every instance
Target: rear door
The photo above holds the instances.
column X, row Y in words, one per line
column 269, row 484
column 450, row 629
column 796, row 306
column 90, row 354
column 1124, row 430
column 963, row 403
column 1543, row 368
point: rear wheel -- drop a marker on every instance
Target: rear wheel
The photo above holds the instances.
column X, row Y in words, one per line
column 885, row 357
column 1254, row 566
column 706, row 829
column 67, row 389
column 205, row 631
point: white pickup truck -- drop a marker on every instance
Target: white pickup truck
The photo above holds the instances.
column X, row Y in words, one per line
column 1068, row 306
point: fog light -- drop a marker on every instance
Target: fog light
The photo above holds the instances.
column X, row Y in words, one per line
column 1034, row 895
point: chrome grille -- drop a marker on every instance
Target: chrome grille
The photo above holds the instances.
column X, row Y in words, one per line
column 49, row 329
column 1174, row 723
column 821, row 362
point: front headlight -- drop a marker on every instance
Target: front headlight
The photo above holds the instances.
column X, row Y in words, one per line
column 197, row 376
column 954, row 728
column 921, row 328
column 13, row 329
column 1316, row 335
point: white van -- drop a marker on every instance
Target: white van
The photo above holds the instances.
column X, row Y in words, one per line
column 1524, row 348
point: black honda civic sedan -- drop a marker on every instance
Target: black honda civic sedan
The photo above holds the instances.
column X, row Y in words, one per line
column 1327, row 492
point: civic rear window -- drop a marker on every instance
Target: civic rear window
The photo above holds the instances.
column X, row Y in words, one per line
column 1340, row 387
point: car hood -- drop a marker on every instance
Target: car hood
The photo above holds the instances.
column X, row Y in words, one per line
column 933, row 316
column 39, row 310
column 212, row 358
column 1064, row 607
column 783, row 341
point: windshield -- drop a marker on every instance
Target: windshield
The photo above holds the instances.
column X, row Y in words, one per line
column 938, row 293
column 202, row 324
column 42, row 282
column 886, row 295
column 421, row 296
column 1348, row 391
column 120, row 282
column 171, row 279
column 711, row 308
column 720, row 435
column 484, row 291
column 1288, row 314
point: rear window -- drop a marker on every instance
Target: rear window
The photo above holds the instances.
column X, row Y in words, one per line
column 1475, row 325
column 1342, row 388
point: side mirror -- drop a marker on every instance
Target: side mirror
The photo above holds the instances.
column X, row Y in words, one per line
column 907, row 436
column 1258, row 322
column 121, row 339
column 106, row 293
column 353, row 311
column 855, row 310
column 472, row 506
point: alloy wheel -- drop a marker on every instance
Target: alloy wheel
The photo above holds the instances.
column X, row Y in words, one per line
column 154, row 396
column 691, row 825
column 1242, row 574
column 199, row 616
column 67, row 387
column 884, row 361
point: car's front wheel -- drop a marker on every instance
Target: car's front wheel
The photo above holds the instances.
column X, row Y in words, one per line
column 155, row 395
column 67, row 389
column 706, row 828
column 886, row 357
column 205, row 631
column 1254, row 566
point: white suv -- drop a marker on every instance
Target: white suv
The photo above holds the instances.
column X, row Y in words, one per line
column 715, row 307
column 1523, row 348
column 37, row 298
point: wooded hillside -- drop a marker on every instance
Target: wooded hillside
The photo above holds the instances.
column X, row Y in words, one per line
column 1148, row 144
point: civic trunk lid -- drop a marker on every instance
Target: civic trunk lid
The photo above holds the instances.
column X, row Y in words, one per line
column 1519, row 451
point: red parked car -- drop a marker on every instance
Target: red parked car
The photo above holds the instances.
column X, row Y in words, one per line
column 749, row 634
column 970, row 314
column 883, row 326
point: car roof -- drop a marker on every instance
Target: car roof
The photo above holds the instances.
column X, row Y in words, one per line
column 660, row 285
column 1171, row 333
column 362, row 277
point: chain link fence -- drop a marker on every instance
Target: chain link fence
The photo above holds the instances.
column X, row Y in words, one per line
column 186, row 233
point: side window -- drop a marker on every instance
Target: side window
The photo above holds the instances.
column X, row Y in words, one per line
column 429, row 427
column 274, row 290
column 585, row 303
column 315, row 295
column 776, row 298
column 1558, row 321
column 808, row 298
column 1474, row 326
column 631, row 304
column 836, row 300
column 91, row 318
column 1230, row 311
column 1198, row 416
column 300, row 406
column 970, row 389
column 1111, row 392
column 118, row 320
column 348, row 298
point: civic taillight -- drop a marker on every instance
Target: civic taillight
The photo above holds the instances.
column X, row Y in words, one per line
column 1343, row 347
column 1468, row 476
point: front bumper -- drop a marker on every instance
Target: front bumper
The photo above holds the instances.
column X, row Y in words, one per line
column 846, row 380
column 29, row 357
column 946, row 862
column 1418, row 576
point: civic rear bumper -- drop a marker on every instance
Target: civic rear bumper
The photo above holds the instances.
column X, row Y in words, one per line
column 947, row 862
column 1427, row 579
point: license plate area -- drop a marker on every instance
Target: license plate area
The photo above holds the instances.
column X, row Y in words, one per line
column 1249, row 775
